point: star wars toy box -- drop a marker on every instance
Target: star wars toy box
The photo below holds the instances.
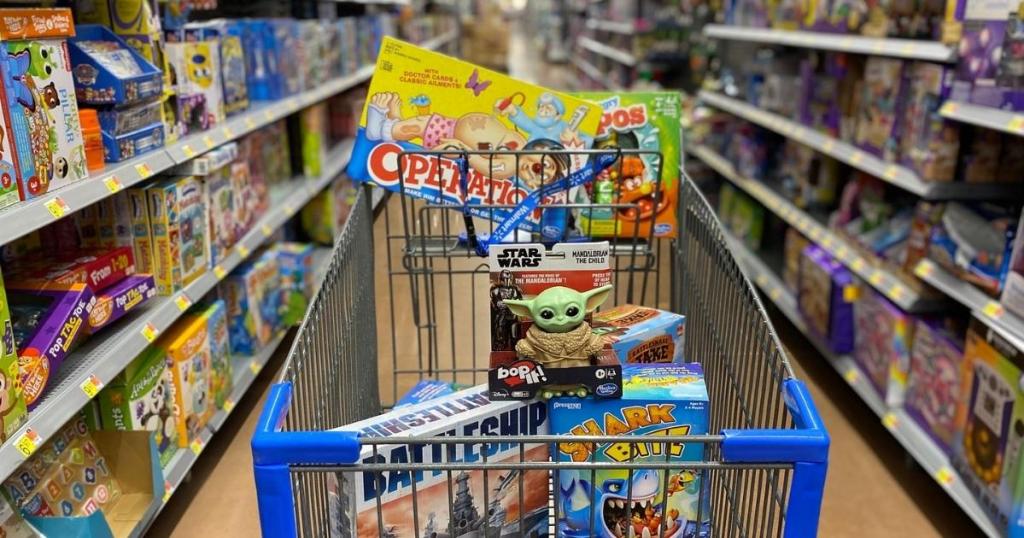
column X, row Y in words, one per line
column 657, row 400
column 449, row 500
column 523, row 271
column 40, row 112
column 987, row 450
column 644, row 121
column 142, row 398
column 642, row 335
column 421, row 100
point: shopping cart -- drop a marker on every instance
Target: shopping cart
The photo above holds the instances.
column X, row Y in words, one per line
column 763, row 468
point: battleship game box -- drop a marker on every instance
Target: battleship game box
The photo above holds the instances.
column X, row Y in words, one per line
column 657, row 400
column 468, row 412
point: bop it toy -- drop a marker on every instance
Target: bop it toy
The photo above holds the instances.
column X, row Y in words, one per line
column 560, row 337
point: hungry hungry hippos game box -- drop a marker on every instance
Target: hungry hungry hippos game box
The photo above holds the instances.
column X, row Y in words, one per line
column 657, row 400
column 421, row 100
column 447, row 504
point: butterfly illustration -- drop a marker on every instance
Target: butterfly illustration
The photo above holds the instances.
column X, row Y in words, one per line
column 19, row 66
column 475, row 84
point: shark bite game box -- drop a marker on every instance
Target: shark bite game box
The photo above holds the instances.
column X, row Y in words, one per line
column 522, row 271
column 657, row 400
column 465, row 413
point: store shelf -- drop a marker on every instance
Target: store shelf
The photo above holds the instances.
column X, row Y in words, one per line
column 989, row 310
column 592, row 72
column 914, row 440
column 615, row 27
column 26, row 217
column 244, row 370
column 596, row 47
column 104, row 356
column 894, row 174
column 988, row 117
column 913, row 49
column 885, row 282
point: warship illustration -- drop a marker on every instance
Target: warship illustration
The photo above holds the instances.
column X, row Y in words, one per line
column 466, row 521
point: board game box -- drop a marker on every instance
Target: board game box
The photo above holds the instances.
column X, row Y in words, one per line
column 452, row 505
column 657, row 400
column 423, row 100
column 639, row 334
column 644, row 121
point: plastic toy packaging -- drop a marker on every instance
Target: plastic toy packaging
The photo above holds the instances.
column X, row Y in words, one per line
column 987, row 451
column 647, row 122
column 657, row 400
column 825, row 296
column 883, row 337
column 932, row 396
column 973, row 244
column 42, row 146
column 66, row 477
column 423, row 100
column 142, row 398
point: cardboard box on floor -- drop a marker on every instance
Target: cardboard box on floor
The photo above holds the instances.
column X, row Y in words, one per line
column 133, row 461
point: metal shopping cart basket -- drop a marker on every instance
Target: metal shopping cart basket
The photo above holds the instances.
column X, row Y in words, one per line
column 764, row 464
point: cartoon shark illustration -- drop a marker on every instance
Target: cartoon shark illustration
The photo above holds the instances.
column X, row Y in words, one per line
column 624, row 508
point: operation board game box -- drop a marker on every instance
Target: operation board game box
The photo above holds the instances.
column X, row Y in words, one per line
column 639, row 334
column 644, row 121
column 423, row 100
column 465, row 413
column 521, row 272
column 657, row 400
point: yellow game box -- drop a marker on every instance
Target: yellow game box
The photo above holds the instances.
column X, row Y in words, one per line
column 420, row 100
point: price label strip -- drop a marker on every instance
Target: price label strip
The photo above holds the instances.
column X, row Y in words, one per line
column 182, row 301
column 168, row 491
column 852, row 375
column 266, row 230
column 228, row 133
column 993, row 310
column 924, row 269
column 219, row 272
column 57, row 207
column 143, row 170
column 890, row 421
column 113, row 184
column 255, row 366
column 197, row 446
column 208, row 140
column 188, row 151
column 250, row 123
column 945, row 476
column 229, row 405
column 150, row 332
column 91, row 386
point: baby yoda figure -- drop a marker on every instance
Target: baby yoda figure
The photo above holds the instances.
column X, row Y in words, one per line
column 559, row 336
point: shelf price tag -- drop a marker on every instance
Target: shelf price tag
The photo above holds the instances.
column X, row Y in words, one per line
column 945, row 476
column 898, row 292
column 948, row 108
column 113, row 184
column 841, row 252
column 857, row 157
column 28, row 442
column 890, row 421
column 852, row 375
column 250, row 123
column 876, row 278
column 775, row 294
column 168, row 490
column 289, row 209
column 57, row 207
column 858, row 264
column 829, row 145
column 197, row 446
column 208, row 141
column 890, row 172
column 924, row 269
column 188, row 151
column 149, row 332
column 1016, row 124
column 266, row 230
column 243, row 251
column 143, row 170
column 229, row 404
column 91, row 386
column 993, row 310
column 228, row 133
column 761, row 280
column 269, row 116
column 182, row 301
column 255, row 366
column 219, row 272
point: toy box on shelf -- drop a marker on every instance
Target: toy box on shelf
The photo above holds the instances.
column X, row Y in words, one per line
column 142, row 238
column 642, row 335
column 310, row 129
column 635, row 121
column 295, row 261
column 114, row 302
column 141, row 398
column 929, row 143
column 742, row 215
column 1013, row 289
column 221, row 380
column 467, row 412
column 540, row 303
column 657, row 400
column 932, row 396
column 108, row 72
column 987, row 451
column 988, row 68
column 178, row 228
column 825, row 298
column 252, row 293
column 137, row 22
column 974, row 244
column 47, row 323
column 187, row 347
column 324, row 216
column 232, row 62
column 794, row 247
column 212, row 170
column 199, row 99
column 12, row 400
column 877, row 124
column 883, row 335
column 40, row 112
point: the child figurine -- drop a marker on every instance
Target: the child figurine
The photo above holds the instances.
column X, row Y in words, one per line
column 560, row 337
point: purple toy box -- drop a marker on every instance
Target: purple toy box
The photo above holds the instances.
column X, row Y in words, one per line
column 933, row 385
column 987, row 73
column 883, row 337
column 825, row 294
column 117, row 300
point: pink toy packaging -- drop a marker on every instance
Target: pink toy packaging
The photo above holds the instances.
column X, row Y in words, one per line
column 882, row 338
column 933, row 385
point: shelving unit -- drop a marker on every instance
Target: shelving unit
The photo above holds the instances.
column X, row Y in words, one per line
column 894, row 174
column 594, row 73
column 983, row 116
column 885, row 282
column 26, row 217
column 617, row 27
column 103, row 357
column 596, row 47
column 914, row 440
column 911, row 49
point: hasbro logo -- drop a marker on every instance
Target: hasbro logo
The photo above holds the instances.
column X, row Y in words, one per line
column 551, row 232
column 662, row 229
column 606, row 389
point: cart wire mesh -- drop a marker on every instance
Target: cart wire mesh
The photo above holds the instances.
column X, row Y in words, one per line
column 763, row 467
